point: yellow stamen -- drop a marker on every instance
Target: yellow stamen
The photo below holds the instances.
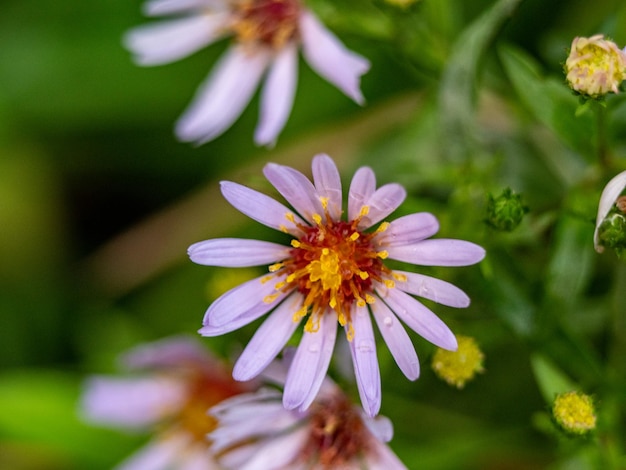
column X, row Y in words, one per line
column 382, row 227
column 290, row 217
column 317, row 218
column 275, row 267
column 324, row 201
column 350, row 332
column 399, row 277
column 267, row 278
column 389, row 283
column 363, row 275
column 369, row 299
column 382, row 254
column 354, row 237
column 268, row 299
column 364, row 211
column 295, row 243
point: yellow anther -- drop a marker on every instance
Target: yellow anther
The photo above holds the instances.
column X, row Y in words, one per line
column 317, row 218
column 290, row 217
column 332, row 302
column 267, row 278
column 280, row 285
column 370, row 299
column 325, row 251
column 324, row 201
column 400, row 277
column 350, row 332
column 275, row 267
column 355, row 236
column 300, row 314
column 296, row 243
column 341, row 318
column 360, row 302
column 363, row 275
column 382, row 254
column 364, row 211
column 268, row 299
column 382, row 227
column 291, row 278
column 389, row 283
column 312, row 324
column 282, row 228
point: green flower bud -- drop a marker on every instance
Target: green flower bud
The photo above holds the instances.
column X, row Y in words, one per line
column 506, row 211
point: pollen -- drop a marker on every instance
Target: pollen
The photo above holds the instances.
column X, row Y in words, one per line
column 460, row 366
column 574, row 412
column 268, row 22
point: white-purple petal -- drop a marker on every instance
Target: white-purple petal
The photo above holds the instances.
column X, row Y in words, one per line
column 278, row 452
column 166, row 353
column 248, row 298
column 237, row 252
column 362, row 187
column 157, row 455
column 261, row 208
column 167, row 7
column 438, row 252
column 610, row 193
column 363, row 349
column 419, row 318
column 327, row 55
column 380, row 426
column 131, row 403
column 268, row 340
column 383, row 202
column 433, row 289
column 277, row 95
column 165, row 42
column 296, row 189
column 328, row 183
column 409, row 229
column 221, row 99
column 397, row 340
column 310, row 363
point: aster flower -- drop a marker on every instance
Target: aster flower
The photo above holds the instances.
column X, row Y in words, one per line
column 610, row 221
column 256, row 431
column 595, row 66
column 267, row 35
column 332, row 272
column 175, row 382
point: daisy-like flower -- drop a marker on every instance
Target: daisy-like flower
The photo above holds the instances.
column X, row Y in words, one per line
column 267, row 35
column 332, row 272
column 175, row 382
column 595, row 66
column 256, row 431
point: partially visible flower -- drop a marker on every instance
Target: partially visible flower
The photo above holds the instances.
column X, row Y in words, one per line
column 506, row 211
column 574, row 412
column 333, row 272
column 174, row 382
column 267, row 35
column 256, row 432
column 595, row 66
column 610, row 224
column 460, row 366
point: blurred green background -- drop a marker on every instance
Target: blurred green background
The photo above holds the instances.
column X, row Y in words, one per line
column 99, row 202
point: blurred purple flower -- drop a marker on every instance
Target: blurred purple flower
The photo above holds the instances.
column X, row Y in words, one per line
column 332, row 272
column 255, row 431
column 176, row 381
column 267, row 34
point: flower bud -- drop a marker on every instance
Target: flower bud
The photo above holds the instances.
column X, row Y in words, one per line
column 506, row 211
column 595, row 66
column 574, row 412
column 610, row 222
column 460, row 366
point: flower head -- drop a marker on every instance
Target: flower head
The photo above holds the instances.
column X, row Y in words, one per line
column 176, row 382
column 610, row 222
column 506, row 211
column 574, row 412
column 460, row 366
column 333, row 272
column 266, row 37
column 595, row 66
column 256, row 431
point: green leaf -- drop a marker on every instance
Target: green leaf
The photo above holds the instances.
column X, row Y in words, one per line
column 550, row 379
column 549, row 100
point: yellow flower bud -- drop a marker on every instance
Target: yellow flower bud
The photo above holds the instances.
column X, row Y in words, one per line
column 595, row 66
column 460, row 366
column 574, row 412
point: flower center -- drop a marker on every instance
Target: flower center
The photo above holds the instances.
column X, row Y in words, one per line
column 271, row 22
column 338, row 434
column 205, row 391
column 333, row 265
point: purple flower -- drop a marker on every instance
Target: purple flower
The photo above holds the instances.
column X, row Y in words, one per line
column 176, row 381
column 256, row 431
column 332, row 272
column 267, row 35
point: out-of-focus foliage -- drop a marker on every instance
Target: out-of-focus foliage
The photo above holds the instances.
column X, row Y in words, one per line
column 99, row 202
